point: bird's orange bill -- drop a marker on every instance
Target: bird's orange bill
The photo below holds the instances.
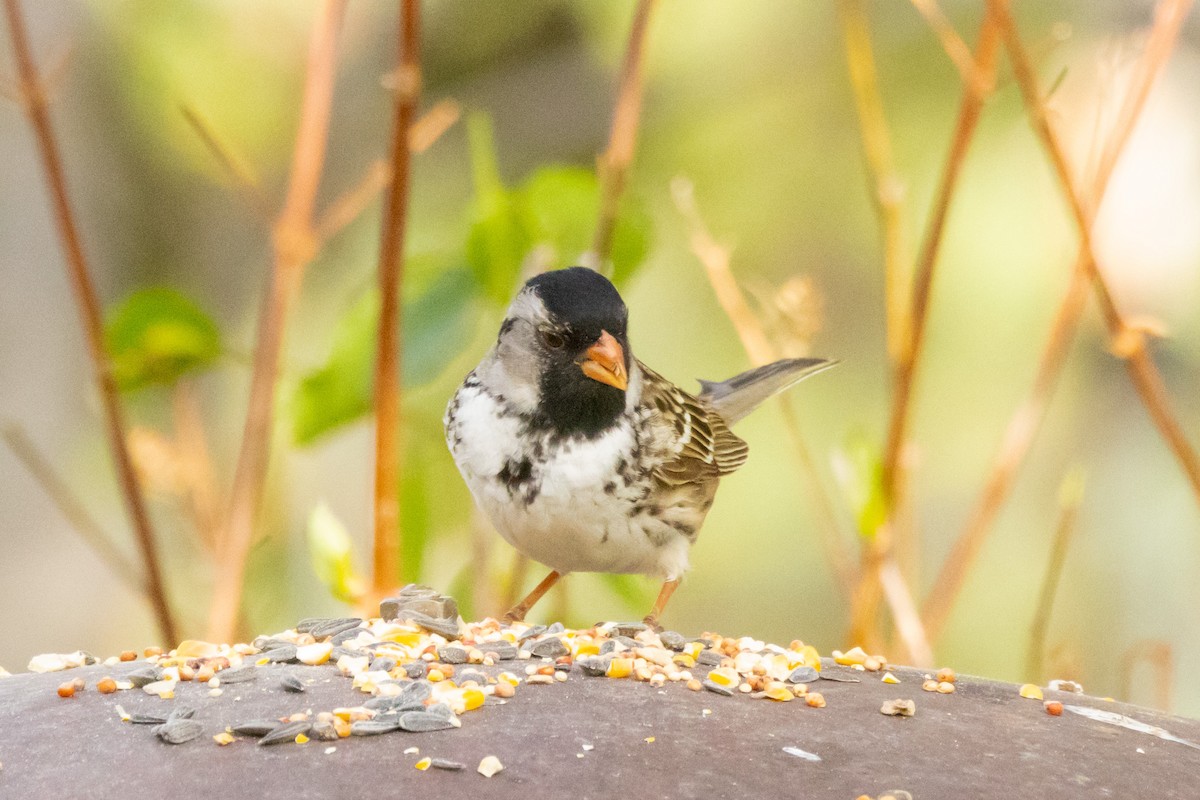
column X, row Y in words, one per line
column 605, row 362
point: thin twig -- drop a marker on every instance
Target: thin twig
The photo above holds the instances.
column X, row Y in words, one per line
column 881, row 548
column 613, row 163
column 1134, row 351
column 388, row 445
column 432, row 124
column 1070, row 498
column 347, row 206
column 235, row 168
column 71, row 507
column 715, row 259
column 1027, row 418
column 953, row 44
column 88, row 303
column 294, row 246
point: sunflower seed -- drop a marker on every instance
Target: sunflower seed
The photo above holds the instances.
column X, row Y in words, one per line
column 181, row 712
column 803, row 675
column 708, row 658
column 608, row 646
column 549, row 648
column 672, row 640
column 344, row 636
column 265, row 643
column 383, row 664
column 374, row 727
column 531, row 633
column 505, row 651
column 444, row 627
column 147, row 719
column 471, row 675
column 313, row 623
column 143, row 676
column 256, row 728
column 287, row 732
column 281, row 655
column 717, row 688
column 238, row 674
column 442, row 710
column 629, row 628
column 445, row 763
column 325, row 732
column 335, row 626
column 594, row 666
column 452, row 655
column 415, row 669
column 290, row 683
column 423, row 721
column 178, row 731
column 416, row 692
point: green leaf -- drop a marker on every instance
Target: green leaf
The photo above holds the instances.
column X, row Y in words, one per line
column 156, row 335
column 331, row 552
column 563, row 204
column 499, row 239
column 437, row 325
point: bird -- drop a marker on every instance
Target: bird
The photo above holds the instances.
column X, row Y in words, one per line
column 582, row 457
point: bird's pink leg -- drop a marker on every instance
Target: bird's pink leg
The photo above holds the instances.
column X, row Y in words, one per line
column 517, row 613
column 668, row 589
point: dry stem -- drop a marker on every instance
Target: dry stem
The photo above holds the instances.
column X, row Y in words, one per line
column 1027, row 418
column 881, row 549
column 388, row 447
column 294, row 244
column 1138, row 361
column 36, row 106
column 1070, row 498
column 613, row 163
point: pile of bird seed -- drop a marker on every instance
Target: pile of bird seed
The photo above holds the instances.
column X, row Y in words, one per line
column 426, row 674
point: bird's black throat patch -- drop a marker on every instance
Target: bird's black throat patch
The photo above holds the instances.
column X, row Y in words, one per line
column 573, row 404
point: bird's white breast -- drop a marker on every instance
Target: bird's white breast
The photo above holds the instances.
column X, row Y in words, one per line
column 574, row 513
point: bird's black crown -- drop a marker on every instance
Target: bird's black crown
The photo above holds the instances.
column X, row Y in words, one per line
column 583, row 299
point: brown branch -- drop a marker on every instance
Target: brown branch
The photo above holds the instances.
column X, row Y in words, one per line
column 955, row 47
column 347, row 206
column 1027, row 418
column 294, row 245
column 881, row 548
column 388, row 446
column 71, row 507
column 715, row 259
column 613, row 164
column 1070, row 498
column 1138, row 362
column 88, row 303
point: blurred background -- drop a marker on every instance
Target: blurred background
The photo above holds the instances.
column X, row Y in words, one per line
column 752, row 104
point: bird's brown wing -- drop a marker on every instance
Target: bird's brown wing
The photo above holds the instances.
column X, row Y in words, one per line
column 694, row 441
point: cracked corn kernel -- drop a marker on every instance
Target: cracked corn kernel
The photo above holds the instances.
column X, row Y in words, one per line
column 473, row 699
column 695, row 685
column 423, row 764
column 779, row 692
column 619, row 668
column 815, row 699
column 489, row 766
column 889, row 678
column 855, row 655
column 223, row 738
column 724, row 676
column 435, row 675
column 301, row 738
column 509, row 678
column 1031, row 692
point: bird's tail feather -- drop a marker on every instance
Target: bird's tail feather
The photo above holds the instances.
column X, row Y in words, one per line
column 736, row 397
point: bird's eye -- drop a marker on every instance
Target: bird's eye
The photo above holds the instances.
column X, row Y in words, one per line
column 553, row 340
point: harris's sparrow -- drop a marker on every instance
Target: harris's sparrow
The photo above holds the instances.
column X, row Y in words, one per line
column 583, row 458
